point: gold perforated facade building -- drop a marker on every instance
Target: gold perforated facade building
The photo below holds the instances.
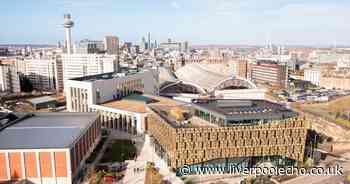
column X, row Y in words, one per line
column 198, row 140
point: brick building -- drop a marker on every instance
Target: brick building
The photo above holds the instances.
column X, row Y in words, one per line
column 241, row 69
column 46, row 147
column 269, row 73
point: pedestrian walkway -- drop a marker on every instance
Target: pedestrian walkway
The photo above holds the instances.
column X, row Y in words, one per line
column 135, row 173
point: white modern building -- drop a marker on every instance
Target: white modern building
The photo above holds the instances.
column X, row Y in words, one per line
column 44, row 73
column 313, row 75
column 98, row 93
column 80, row 65
column 9, row 79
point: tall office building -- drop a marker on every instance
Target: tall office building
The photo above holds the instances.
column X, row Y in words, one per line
column 68, row 24
column 155, row 44
column 241, row 68
column 143, row 45
column 111, row 45
column 127, row 46
column 149, row 41
column 185, row 47
column 9, row 80
column 44, row 73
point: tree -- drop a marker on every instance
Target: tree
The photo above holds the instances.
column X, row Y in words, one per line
column 26, row 84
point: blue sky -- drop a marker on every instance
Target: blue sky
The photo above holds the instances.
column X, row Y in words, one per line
column 310, row 22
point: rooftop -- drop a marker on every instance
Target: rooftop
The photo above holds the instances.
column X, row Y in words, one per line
column 205, row 76
column 233, row 112
column 179, row 116
column 106, row 76
column 42, row 99
column 44, row 130
column 103, row 76
column 240, row 110
column 137, row 103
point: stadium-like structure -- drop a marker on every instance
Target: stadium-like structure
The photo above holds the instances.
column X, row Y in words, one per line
column 202, row 79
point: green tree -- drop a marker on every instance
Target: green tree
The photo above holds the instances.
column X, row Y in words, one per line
column 26, row 84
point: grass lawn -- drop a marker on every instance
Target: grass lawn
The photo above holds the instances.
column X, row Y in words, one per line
column 330, row 109
column 119, row 151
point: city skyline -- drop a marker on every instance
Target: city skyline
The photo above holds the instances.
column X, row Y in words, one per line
column 174, row 91
column 200, row 22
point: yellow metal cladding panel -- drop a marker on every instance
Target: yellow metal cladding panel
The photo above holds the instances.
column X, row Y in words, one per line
column 194, row 145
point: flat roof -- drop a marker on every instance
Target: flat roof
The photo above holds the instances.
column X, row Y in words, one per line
column 127, row 105
column 239, row 110
column 42, row 99
column 234, row 112
column 138, row 103
column 46, row 130
column 175, row 116
column 106, row 76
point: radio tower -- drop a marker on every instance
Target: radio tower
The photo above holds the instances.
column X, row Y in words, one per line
column 68, row 24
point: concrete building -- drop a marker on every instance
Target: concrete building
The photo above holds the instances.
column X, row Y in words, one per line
column 80, row 65
column 242, row 132
column 269, row 73
column 313, row 75
column 109, row 95
column 335, row 82
column 241, row 68
column 323, row 56
column 185, row 47
column 143, row 45
column 128, row 114
column 44, row 73
column 82, row 92
column 149, row 40
column 87, row 46
column 46, row 147
column 335, row 79
column 111, row 45
column 43, row 102
column 4, row 52
column 171, row 46
column 9, row 79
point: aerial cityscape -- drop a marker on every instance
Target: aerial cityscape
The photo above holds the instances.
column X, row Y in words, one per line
column 175, row 92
